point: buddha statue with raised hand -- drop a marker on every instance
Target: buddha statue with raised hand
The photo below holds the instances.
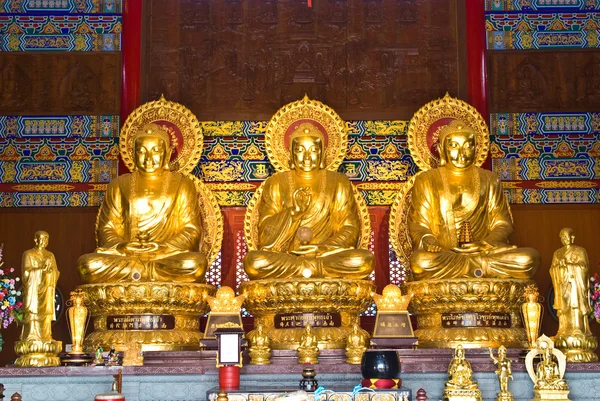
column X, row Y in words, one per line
column 308, row 222
column 148, row 227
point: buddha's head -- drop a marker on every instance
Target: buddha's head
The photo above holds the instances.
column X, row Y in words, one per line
column 459, row 352
column 456, row 145
column 566, row 236
column 307, row 149
column 41, row 239
column 502, row 351
column 151, row 149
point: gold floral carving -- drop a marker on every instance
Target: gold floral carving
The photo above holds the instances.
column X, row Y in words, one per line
column 212, row 221
column 446, row 107
column 174, row 113
column 399, row 234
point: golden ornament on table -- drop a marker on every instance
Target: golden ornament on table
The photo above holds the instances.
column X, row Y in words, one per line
column 77, row 321
column 157, row 230
column 356, row 345
column 532, row 314
column 548, row 374
column 504, row 372
column 451, row 222
column 308, row 351
column 36, row 347
column 307, row 230
column 570, row 277
column 259, row 350
column 393, row 327
column 460, row 385
column 224, row 307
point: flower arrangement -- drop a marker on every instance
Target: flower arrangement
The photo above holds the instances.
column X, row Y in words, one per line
column 11, row 307
column 595, row 296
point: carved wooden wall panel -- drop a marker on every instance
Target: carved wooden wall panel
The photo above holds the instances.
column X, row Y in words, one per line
column 243, row 59
column 60, row 83
column 529, row 81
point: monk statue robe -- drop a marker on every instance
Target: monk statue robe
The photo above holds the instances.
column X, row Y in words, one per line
column 308, row 222
column 148, row 227
column 447, row 201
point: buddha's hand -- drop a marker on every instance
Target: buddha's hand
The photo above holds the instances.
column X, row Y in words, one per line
column 305, row 250
column 301, row 199
column 137, row 247
column 432, row 245
column 472, row 247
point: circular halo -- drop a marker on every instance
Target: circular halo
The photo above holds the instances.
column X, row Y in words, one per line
column 306, row 110
column 399, row 234
column 181, row 124
column 426, row 123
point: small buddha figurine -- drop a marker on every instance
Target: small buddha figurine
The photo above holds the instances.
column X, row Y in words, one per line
column 308, row 219
column 40, row 275
column 98, row 358
column 308, row 351
column 570, row 278
column 458, row 192
column 113, row 356
column 356, row 345
column 504, row 372
column 460, row 373
column 548, row 374
column 148, row 227
column 259, row 351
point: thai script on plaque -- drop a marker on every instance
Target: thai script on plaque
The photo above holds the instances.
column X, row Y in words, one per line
column 315, row 319
column 140, row 322
column 476, row 320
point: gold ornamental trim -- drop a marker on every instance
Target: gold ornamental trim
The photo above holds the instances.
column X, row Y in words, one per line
column 426, row 123
column 399, row 233
column 181, row 124
column 212, row 221
column 301, row 111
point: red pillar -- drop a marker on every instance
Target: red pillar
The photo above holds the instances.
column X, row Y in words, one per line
column 476, row 42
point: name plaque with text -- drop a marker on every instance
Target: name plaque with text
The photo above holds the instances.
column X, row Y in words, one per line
column 140, row 322
column 495, row 319
column 315, row 319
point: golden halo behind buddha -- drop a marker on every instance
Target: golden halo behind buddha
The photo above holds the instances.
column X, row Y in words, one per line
column 305, row 113
column 427, row 124
column 177, row 121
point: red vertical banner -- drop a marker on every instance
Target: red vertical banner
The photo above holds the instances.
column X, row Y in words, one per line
column 476, row 58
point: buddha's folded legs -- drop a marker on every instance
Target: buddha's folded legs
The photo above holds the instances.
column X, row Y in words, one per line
column 107, row 268
column 353, row 263
column 518, row 263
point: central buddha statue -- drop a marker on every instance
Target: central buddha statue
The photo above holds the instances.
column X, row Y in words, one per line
column 457, row 196
column 148, row 227
column 308, row 224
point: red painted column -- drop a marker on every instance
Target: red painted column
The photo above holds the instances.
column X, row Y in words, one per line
column 131, row 42
column 476, row 42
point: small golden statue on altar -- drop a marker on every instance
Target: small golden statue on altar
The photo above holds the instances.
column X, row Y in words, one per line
column 460, row 385
column 259, row 350
column 40, row 274
column 504, row 372
column 157, row 230
column 307, row 230
column 308, row 351
column 452, row 223
column 356, row 345
column 532, row 314
column 570, row 278
column 548, row 374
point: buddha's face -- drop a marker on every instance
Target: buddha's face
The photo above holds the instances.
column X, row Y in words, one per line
column 41, row 239
column 459, row 149
column 307, row 152
column 150, row 154
column 566, row 237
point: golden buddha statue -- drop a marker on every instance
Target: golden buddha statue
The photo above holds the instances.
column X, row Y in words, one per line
column 259, row 350
column 460, row 384
column 148, row 228
column 548, row 373
column 570, row 278
column 458, row 192
column 308, row 219
column 40, row 275
column 356, row 345
column 308, row 351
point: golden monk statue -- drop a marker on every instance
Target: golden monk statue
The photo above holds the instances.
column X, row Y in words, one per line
column 503, row 371
column 456, row 197
column 308, row 222
column 40, row 275
column 460, row 373
column 148, row 228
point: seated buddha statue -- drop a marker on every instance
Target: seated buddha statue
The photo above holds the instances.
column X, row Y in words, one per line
column 148, row 227
column 450, row 199
column 308, row 223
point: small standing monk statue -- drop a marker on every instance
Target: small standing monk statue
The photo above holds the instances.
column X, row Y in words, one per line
column 504, row 372
column 457, row 195
column 570, row 278
column 460, row 383
column 308, row 222
column 148, row 228
column 40, row 275
column 308, row 351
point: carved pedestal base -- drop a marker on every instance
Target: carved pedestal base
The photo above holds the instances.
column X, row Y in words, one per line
column 577, row 347
column 508, row 396
column 475, row 313
column 462, row 395
column 550, row 395
column 283, row 306
column 38, row 353
column 154, row 316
